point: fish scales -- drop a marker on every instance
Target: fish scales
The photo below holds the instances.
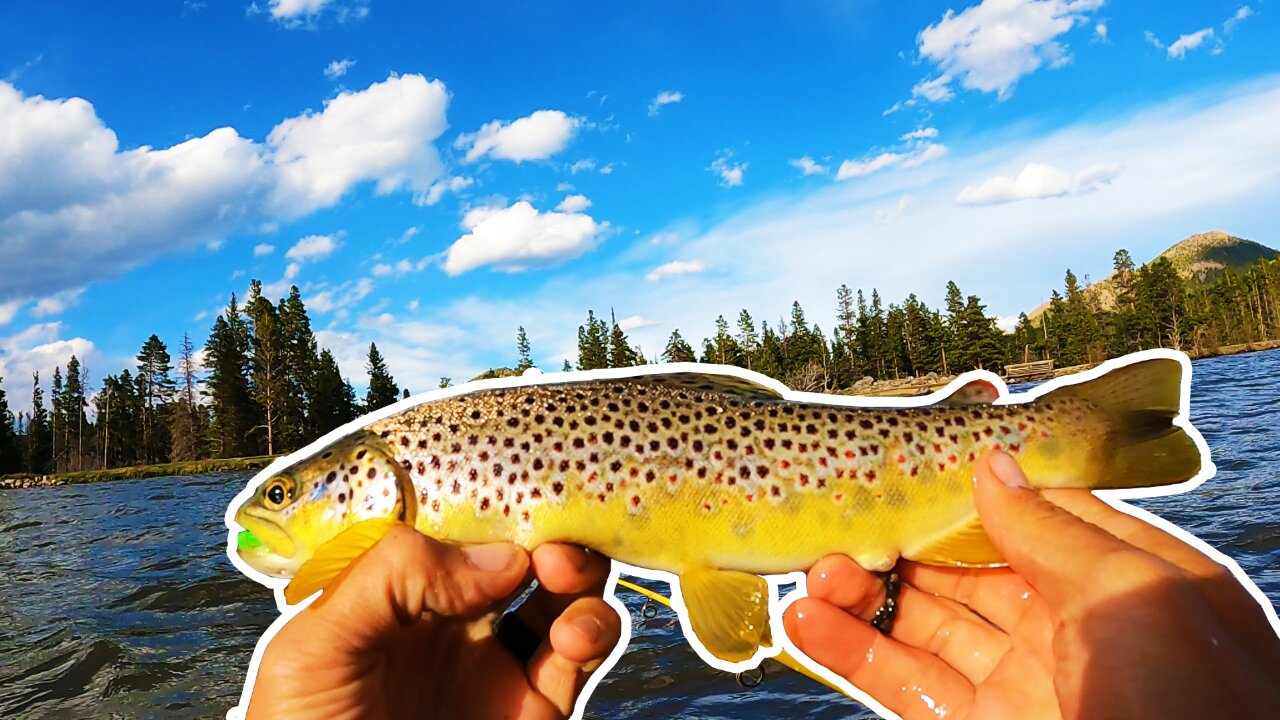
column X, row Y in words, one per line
column 667, row 477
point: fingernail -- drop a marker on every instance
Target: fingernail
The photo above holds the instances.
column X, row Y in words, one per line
column 1007, row 471
column 489, row 558
column 587, row 625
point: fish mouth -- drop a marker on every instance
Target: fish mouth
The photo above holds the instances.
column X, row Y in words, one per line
column 266, row 548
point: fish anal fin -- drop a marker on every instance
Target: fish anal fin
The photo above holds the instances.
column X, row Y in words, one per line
column 728, row 611
column 974, row 392
column 964, row 545
column 331, row 558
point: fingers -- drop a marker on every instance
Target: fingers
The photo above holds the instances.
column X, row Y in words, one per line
column 935, row 625
column 998, row 594
column 908, row 681
column 407, row 575
column 565, row 573
column 1069, row 562
column 580, row 639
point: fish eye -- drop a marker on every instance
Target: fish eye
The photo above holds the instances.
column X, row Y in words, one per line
column 277, row 493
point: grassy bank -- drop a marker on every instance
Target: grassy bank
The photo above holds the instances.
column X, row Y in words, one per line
column 136, row 472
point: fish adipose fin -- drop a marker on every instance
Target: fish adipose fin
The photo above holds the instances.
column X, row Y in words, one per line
column 711, row 382
column 974, row 392
column 729, row 611
column 965, row 545
column 334, row 556
column 1139, row 403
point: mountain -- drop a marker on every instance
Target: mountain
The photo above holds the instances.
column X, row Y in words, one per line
column 1200, row 259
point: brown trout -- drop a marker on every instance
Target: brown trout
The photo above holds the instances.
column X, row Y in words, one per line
column 712, row 477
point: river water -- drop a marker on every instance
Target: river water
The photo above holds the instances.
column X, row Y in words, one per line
column 117, row 599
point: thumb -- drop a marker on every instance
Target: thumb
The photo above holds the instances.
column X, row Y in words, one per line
column 407, row 575
column 1059, row 554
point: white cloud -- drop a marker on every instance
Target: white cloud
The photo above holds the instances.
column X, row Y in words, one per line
column 1244, row 11
column 666, row 97
column 536, row 137
column 75, row 208
column 808, row 166
column 519, row 237
column 440, row 187
column 1188, row 42
column 57, row 303
column 338, row 68
column 1100, row 33
column 382, row 270
column 9, row 310
column 675, row 267
column 920, row 134
column 628, row 324
column 574, row 204
column 40, row 348
column 583, row 165
column 381, row 134
column 607, row 169
column 284, row 9
column 731, row 173
column 263, row 249
column 990, row 46
column 918, row 155
column 327, row 300
column 312, row 247
column 890, row 214
column 1037, row 181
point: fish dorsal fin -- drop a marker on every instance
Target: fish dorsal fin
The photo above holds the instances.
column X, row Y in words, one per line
column 963, row 545
column 334, row 556
column 974, row 392
column 728, row 611
column 712, row 382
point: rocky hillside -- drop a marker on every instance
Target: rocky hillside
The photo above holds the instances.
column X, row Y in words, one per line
column 1201, row 258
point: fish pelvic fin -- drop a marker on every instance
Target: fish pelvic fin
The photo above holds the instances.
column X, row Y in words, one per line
column 728, row 611
column 1138, row 403
column 335, row 556
column 963, row 545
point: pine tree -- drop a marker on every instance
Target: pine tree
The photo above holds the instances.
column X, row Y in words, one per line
column 10, row 454
column 567, row 367
column 75, row 424
column 678, row 350
column 267, row 379
column 333, row 400
column 522, row 350
column 299, row 359
column 621, row 354
column 722, row 349
column 227, row 360
column 593, row 344
column 747, row 339
column 184, row 430
column 156, row 389
column 39, row 433
column 382, row 388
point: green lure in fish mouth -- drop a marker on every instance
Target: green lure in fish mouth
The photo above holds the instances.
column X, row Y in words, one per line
column 247, row 541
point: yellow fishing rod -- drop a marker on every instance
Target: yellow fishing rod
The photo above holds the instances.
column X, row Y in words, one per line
column 781, row 657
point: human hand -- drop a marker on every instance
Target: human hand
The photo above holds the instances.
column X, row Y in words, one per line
column 407, row 631
column 1098, row 615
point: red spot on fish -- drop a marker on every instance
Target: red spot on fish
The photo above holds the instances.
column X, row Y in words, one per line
column 785, row 464
column 804, row 479
column 751, row 497
column 902, row 459
column 839, row 497
column 822, row 462
column 1015, row 447
column 706, row 506
column 635, row 501
column 952, row 458
column 850, row 454
column 1044, row 433
column 1022, row 427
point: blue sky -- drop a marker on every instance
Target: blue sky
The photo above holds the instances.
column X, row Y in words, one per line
column 432, row 177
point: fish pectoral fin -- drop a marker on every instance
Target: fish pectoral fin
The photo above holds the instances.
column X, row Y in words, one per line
column 965, row 545
column 334, row 556
column 728, row 611
column 974, row 392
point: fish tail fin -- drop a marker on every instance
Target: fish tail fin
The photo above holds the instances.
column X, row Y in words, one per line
column 1138, row 403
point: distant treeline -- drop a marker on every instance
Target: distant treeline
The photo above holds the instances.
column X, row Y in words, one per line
column 265, row 387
